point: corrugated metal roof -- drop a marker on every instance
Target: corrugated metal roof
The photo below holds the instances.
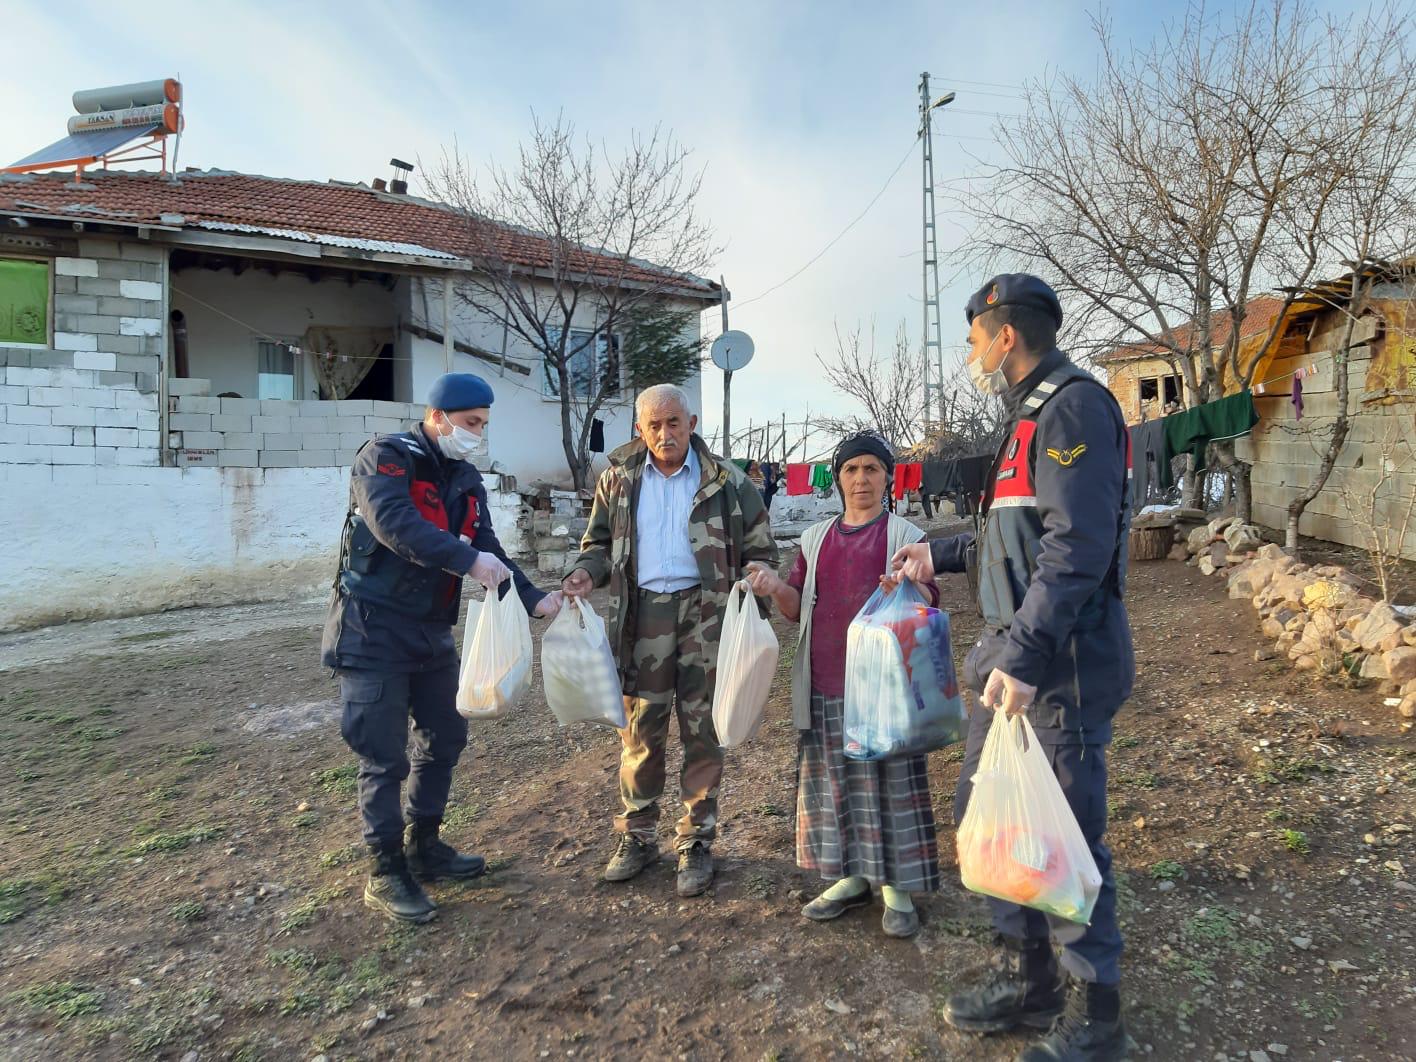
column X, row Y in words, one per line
column 324, row 239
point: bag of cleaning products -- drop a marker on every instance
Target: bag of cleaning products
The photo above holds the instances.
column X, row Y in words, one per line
column 747, row 663
column 1019, row 840
column 496, row 657
column 578, row 668
column 902, row 697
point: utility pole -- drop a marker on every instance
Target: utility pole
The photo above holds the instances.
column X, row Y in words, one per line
column 931, row 337
column 727, row 379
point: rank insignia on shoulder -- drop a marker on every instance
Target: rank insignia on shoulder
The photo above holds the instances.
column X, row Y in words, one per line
column 1066, row 458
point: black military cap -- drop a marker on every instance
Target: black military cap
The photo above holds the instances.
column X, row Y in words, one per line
column 1014, row 289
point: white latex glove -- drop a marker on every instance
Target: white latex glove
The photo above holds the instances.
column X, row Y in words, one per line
column 763, row 580
column 914, row 563
column 550, row 605
column 488, row 570
column 1003, row 690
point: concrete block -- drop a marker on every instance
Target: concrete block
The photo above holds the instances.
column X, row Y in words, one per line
column 73, row 378
column 124, row 381
column 66, row 285
column 279, row 407
column 180, row 388
column 148, row 420
column 75, row 475
column 132, row 476
column 117, row 269
column 98, row 397
column 138, row 456
column 148, row 439
column 320, row 442
column 83, row 436
column 95, row 247
column 189, row 421
column 94, row 285
column 271, row 424
column 75, row 416
column 197, row 404
column 24, row 475
column 14, row 396
column 51, row 359
column 282, row 440
column 238, row 459
column 95, row 359
column 143, row 252
column 14, row 434
column 84, row 322
column 146, row 382
column 15, row 377
column 75, row 267
column 135, row 400
column 71, row 455
column 141, row 289
column 396, row 409
column 116, row 436
column 76, row 304
column 20, row 359
column 317, row 459
column 245, row 440
column 125, row 344
column 243, row 407
column 279, row 458
column 105, row 455
column 23, row 453
column 311, row 425
column 139, row 326
column 51, row 396
column 41, row 435
column 117, row 306
column 203, row 440
column 351, row 440
column 174, row 440
column 372, row 424
column 115, row 418
column 225, row 422
column 28, row 414
column 354, row 407
column 137, row 362
column 75, row 341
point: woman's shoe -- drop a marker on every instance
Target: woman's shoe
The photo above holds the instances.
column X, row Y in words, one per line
column 901, row 924
column 823, row 910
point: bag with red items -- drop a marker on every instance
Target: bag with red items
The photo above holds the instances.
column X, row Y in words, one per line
column 1019, row 840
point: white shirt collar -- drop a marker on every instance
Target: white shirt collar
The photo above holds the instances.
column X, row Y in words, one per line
column 690, row 465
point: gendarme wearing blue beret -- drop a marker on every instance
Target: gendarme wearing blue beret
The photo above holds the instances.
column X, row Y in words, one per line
column 1056, row 648
column 418, row 522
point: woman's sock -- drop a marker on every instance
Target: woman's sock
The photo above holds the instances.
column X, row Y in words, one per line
column 846, row 889
column 896, row 900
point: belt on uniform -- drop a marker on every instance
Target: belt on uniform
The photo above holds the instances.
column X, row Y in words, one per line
column 668, row 593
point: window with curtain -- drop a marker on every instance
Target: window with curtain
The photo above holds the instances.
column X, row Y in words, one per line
column 591, row 358
column 24, row 302
column 275, row 371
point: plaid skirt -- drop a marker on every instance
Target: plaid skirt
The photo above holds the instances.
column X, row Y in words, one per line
column 868, row 820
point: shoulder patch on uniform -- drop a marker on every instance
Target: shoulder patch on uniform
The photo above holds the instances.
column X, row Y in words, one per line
column 1066, row 458
column 391, row 469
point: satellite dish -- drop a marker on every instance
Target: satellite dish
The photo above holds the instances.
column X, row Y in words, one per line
column 732, row 350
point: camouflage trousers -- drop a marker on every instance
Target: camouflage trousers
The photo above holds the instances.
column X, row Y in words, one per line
column 674, row 666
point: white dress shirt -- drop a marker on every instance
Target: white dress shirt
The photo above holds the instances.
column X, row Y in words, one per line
column 663, row 555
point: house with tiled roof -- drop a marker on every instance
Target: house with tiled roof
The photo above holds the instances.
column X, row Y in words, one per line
column 199, row 355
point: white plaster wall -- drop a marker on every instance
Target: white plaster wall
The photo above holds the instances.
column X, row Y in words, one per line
column 282, row 306
column 163, row 538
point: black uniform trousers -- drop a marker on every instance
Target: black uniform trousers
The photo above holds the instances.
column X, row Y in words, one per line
column 377, row 705
column 1091, row 952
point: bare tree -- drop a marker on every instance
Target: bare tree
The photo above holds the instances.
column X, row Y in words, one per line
column 617, row 236
column 884, row 383
column 1182, row 181
column 1384, row 512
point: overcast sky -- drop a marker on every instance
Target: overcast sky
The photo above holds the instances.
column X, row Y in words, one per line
column 798, row 112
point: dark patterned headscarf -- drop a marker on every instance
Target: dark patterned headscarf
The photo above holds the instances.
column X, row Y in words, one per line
column 863, row 442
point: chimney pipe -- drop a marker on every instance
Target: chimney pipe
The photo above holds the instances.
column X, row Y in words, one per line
column 380, row 185
column 399, row 185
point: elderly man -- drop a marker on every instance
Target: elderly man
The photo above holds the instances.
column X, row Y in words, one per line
column 671, row 530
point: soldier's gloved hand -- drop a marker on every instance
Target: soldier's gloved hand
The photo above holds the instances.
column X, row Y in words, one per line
column 550, row 605
column 1004, row 691
column 914, row 563
column 763, row 580
column 488, row 570
column 578, row 583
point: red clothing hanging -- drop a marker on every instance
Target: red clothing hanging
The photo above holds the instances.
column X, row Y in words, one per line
column 908, row 477
column 798, row 479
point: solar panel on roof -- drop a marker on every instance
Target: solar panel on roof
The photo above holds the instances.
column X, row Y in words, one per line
column 83, row 146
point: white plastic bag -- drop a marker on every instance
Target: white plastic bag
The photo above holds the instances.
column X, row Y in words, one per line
column 496, row 657
column 1019, row 840
column 747, row 662
column 578, row 668
column 902, row 698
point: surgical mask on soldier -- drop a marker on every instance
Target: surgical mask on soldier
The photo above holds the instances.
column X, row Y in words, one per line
column 459, row 444
column 990, row 383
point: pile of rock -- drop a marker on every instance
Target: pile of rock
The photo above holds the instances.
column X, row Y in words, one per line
column 1318, row 617
column 1221, row 544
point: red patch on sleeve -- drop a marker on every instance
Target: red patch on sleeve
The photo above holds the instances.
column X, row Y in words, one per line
column 391, row 469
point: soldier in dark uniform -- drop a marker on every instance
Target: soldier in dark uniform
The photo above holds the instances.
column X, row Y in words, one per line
column 1056, row 644
column 418, row 522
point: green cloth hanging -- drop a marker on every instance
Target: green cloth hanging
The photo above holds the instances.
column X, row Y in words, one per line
column 821, row 477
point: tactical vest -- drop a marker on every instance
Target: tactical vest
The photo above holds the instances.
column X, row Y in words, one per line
column 373, row 573
column 1011, row 540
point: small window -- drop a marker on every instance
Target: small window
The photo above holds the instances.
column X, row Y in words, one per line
column 591, row 361
column 275, row 371
column 1151, row 388
column 24, row 302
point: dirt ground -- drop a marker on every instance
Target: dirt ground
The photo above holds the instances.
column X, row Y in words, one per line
column 180, row 876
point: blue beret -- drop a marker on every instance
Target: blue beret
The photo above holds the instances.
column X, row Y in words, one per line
column 459, row 390
column 1015, row 289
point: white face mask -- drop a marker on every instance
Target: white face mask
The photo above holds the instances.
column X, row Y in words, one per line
column 459, row 444
column 990, row 383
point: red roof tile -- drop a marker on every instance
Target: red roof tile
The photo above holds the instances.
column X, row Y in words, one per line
column 1258, row 319
column 352, row 213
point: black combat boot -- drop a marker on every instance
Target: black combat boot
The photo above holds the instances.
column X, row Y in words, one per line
column 430, row 858
column 392, row 890
column 1023, row 988
column 1089, row 1029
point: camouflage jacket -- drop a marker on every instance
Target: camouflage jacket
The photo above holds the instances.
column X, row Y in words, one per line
column 727, row 528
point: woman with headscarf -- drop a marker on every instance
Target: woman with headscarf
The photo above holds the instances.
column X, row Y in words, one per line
column 859, row 824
